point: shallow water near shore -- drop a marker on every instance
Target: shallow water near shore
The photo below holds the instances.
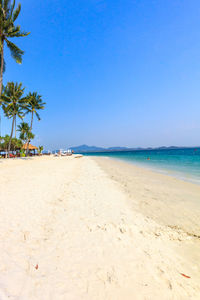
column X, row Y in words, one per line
column 181, row 163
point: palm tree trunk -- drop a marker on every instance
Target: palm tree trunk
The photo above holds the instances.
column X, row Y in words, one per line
column 28, row 142
column 15, row 131
column 1, row 75
column 15, row 126
column 10, row 140
column 27, row 147
column 32, row 121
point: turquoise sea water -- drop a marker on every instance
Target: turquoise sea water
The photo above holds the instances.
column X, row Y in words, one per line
column 182, row 163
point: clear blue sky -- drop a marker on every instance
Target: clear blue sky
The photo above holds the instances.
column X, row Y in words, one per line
column 113, row 72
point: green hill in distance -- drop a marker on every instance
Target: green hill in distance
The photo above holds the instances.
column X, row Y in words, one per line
column 86, row 148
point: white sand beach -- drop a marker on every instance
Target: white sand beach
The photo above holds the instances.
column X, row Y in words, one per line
column 92, row 229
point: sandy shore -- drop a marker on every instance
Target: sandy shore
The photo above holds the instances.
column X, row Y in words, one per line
column 82, row 228
column 165, row 199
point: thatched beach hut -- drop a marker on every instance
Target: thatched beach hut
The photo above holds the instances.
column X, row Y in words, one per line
column 31, row 148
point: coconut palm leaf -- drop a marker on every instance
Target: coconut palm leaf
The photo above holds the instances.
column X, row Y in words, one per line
column 6, row 6
column 19, row 33
column 16, row 12
column 38, row 116
column 13, row 29
column 12, row 7
column 16, row 53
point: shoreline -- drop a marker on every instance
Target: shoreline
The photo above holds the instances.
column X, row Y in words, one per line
column 155, row 191
column 184, row 176
column 168, row 172
column 70, row 230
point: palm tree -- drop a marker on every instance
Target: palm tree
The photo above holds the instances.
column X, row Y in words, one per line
column 25, row 134
column 8, row 30
column 17, row 144
column 23, row 128
column 13, row 104
column 5, row 143
column 34, row 103
column 40, row 149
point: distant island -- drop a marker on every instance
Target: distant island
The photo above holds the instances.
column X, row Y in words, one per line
column 86, row 148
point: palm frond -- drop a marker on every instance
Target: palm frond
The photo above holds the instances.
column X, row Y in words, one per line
column 12, row 7
column 19, row 34
column 38, row 116
column 1, row 9
column 16, row 12
column 7, row 24
column 12, row 29
column 16, row 53
column 5, row 99
column 8, row 112
column 6, row 5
